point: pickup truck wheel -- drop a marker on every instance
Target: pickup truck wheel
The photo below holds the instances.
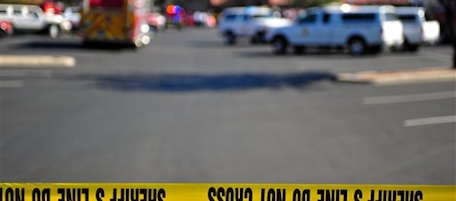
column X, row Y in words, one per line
column 54, row 31
column 412, row 48
column 253, row 40
column 406, row 46
column 230, row 38
column 257, row 38
column 279, row 45
column 3, row 33
column 356, row 46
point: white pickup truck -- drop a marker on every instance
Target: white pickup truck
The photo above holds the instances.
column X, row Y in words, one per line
column 361, row 29
column 417, row 30
column 248, row 22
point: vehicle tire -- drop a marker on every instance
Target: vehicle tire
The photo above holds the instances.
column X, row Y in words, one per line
column 279, row 45
column 410, row 47
column 299, row 50
column 395, row 48
column 3, row 33
column 154, row 29
column 413, row 48
column 253, row 40
column 357, row 46
column 54, row 31
column 230, row 38
column 258, row 38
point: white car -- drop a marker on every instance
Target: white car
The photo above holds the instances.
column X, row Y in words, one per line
column 417, row 30
column 248, row 22
column 361, row 29
column 30, row 18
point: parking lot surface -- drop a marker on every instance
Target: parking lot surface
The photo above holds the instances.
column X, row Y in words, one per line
column 187, row 108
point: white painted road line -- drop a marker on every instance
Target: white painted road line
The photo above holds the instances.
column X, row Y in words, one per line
column 25, row 73
column 36, row 61
column 410, row 98
column 430, row 121
column 11, row 83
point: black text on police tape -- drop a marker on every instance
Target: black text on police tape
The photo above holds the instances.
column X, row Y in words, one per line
column 132, row 194
column 230, row 194
column 12, row 194
column 386, row 195
column 82, row 194
column 246, row 194
column 271, row 194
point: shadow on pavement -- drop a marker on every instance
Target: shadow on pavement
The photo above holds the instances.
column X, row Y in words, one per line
column 198, row 82
column 67, row 45
column 314, row 53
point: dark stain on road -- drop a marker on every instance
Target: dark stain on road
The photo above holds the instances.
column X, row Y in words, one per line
column 215, row 82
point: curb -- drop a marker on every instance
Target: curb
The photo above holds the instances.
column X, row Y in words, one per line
column 36, row 61
column 423, row 75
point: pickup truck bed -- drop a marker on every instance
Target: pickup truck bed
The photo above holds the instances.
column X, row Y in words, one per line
column 417, row 30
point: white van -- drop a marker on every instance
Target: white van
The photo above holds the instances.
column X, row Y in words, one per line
column 250, row 22
column 361, row 29
column 31, row 18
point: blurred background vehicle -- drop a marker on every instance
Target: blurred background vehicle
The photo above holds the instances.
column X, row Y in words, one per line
column 115, row 22
column 417, row 29
column 190, row 20
column 156, row 21
column 175, row 16
column 32, row 19
column 204, row 19
column 73, row 15
column 6, row 28
column 360, row 29
column 248, row 22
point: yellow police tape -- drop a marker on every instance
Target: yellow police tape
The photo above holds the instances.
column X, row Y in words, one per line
column 222, row 192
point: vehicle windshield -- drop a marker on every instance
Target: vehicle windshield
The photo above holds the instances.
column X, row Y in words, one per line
column 407, row 18
column 269, row 15
column 391, row 17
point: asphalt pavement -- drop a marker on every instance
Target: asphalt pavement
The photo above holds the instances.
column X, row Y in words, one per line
column 187, row 108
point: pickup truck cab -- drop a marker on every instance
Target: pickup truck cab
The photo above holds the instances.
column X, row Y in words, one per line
column 360, row 29
column 417, row 30
column 248, row 22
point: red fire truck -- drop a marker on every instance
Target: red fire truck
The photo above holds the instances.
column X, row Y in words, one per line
column 114, row 21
